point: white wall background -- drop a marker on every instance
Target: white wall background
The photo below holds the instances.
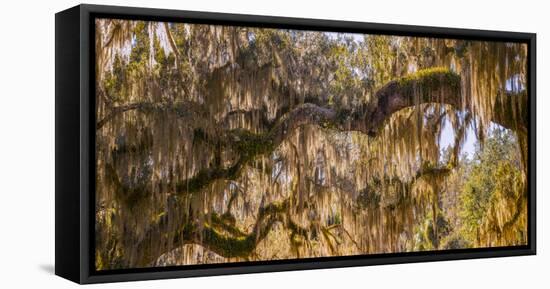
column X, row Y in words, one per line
column 27, row 144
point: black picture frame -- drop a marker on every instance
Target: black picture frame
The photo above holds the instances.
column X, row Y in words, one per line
column 75, row 139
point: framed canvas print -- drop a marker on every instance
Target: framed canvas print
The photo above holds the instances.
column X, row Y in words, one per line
column 193, row 144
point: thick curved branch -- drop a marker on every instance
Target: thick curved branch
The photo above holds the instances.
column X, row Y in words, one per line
column 439, row 86
column 426, row 86
column 219, row 233
column 431, row 86
column 213, row 234
column 207, row 176
column 436, row 85
column 248, row 146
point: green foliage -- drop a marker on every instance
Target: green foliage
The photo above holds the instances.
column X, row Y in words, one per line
column 387, row 59
column 479, row 195
column 345, row 82
column 425, row 235
column 165, row 71
column 381, row 57
column 266, row 46
column 116, row 83
column 140, row 46
column 495, row 170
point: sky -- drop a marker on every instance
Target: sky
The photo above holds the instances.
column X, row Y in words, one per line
column 356, row 36
column 447, row 139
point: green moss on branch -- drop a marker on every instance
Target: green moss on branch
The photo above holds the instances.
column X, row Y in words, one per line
column 431, row 78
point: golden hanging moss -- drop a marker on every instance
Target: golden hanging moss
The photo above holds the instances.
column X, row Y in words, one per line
column 227, row 144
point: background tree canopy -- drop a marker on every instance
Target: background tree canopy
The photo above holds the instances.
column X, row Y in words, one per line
column 226, row 144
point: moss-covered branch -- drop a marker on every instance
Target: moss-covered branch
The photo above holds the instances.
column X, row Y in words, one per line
column 214, row 233
column 431, row 86
column 426, row 86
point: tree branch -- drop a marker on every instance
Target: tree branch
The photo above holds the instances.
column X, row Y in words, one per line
column 434, row 86
column 215, row 235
